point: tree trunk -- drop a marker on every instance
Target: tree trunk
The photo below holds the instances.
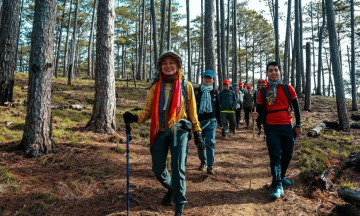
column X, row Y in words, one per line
column 65, row 72
column 227, row 39
column 223, row 49
column 169, row 27
column 218, row 40
column 234, row 47
column 253, row 63
column 202, row 37
column 90, row 68
column 59, row 40
column 318, row 89
column 323, row 79
column 73, row 47
column 154, row 31
column 352, row 71
column 38, row 129
column 188, row 38
column 308, row 78
column 246, row 59
column 142, row 44
column 297, row 50
column 103, row 115
column 8, row 44
column 313, row 42
column 335, row 60
column 276, row 29
column 303, row 79
column 18, row 33
column 287, row 44
column 209, row 39
column 163, row 10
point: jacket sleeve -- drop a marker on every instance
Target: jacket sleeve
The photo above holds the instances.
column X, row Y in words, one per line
column 234, row 100
column 217, row 108
column 145, row 114
column 295, row 104
column 193, row 117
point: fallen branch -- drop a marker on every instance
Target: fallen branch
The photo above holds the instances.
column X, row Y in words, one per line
column 355, row 117
column 335, row 124
column 350, row 196
column 78, row 107
column 316, row 130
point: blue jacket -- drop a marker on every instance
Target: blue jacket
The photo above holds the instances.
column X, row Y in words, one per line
column 215, row 106
column 227, row 100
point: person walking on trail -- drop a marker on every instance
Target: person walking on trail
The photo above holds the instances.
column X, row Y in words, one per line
column 208, row 109
column 239, row 100
column 171, row 106
column 241, row 87
column 254, row 104
column 228, row 106
column 276, row 116
column 247, row 105
column 243, row 91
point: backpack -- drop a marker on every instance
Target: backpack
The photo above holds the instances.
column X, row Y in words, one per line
column 263, row 97
column 247, row 100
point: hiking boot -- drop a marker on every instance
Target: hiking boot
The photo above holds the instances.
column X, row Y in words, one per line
column 202, row 167
column 258, row 134
column 178, row 213
column 167, row 199
column 277, row 192
column 210, row 170
column 285, row 181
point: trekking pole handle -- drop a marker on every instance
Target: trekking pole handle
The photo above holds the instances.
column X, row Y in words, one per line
column 128, row 130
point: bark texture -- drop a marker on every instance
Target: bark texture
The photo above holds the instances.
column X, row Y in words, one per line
column 38, row 130
column 335, row 60
column 103, row 116
column 209, row 39
column 8, row 45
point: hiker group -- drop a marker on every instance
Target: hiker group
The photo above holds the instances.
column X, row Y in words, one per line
column 179, row 112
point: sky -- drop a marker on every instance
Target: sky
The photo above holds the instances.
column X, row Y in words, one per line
column 260, row 5
column 257, row 5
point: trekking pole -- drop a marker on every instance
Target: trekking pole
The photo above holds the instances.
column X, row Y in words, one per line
column 252, row 151
column 128, row 139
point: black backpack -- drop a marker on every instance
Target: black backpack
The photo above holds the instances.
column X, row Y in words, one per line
column 247, row 100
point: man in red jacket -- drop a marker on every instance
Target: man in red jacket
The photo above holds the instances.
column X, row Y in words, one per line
column 279, row 130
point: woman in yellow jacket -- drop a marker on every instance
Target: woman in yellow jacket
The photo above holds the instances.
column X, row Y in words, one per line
column 172, row 120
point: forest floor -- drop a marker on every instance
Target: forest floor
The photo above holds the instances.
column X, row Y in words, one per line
column 87, row 174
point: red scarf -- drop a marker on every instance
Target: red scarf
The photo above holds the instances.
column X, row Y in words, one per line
column 173, row 112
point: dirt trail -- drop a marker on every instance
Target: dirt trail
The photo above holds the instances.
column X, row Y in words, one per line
column 227, row 192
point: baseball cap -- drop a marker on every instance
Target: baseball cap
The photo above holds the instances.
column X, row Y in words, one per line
column 208, row 73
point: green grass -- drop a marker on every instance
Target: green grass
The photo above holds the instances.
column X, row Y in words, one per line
column 118, row 149
column 347, row 184
column 6, row 176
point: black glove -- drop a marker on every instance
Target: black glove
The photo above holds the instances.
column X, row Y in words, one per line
column 199, row 141
column 129, row 117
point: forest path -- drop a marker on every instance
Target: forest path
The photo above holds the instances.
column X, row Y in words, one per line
column 227, row 192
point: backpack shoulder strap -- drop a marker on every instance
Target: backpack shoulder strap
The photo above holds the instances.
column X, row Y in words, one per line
column 184, row 93
column 287, row 93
